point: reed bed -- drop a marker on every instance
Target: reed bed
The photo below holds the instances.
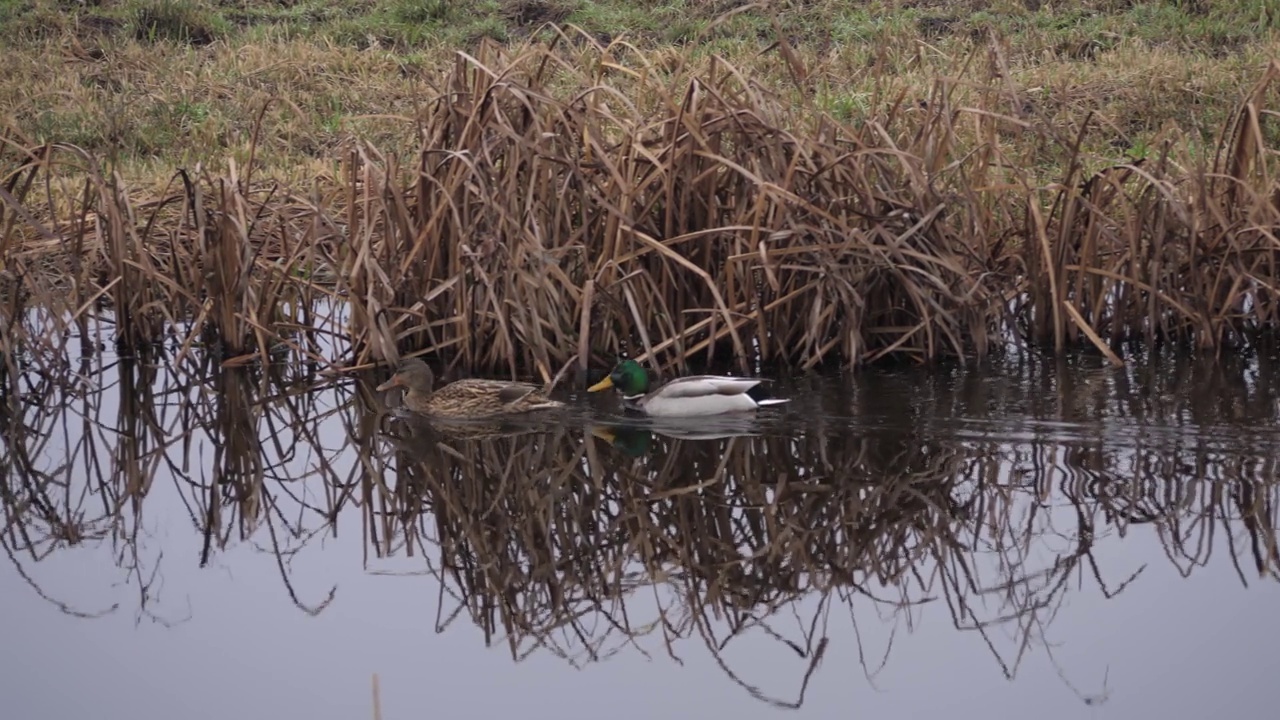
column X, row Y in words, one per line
column 589, row 540
column 571, row 199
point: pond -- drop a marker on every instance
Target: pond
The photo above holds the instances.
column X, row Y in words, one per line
column 1027, row 537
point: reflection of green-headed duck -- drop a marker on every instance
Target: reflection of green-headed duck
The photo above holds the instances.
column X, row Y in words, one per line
column 467, row 398
column 631, row 441
column 683, row 397
column 637, row 440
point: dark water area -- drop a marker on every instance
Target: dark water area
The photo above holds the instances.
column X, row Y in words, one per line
column 1027, row 538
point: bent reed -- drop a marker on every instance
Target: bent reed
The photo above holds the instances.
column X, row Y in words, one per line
column 574, row 198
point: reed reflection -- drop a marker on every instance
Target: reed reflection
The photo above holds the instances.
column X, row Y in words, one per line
column 986, row 493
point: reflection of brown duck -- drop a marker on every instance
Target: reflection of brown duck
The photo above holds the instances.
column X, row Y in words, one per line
column 467, row 398
column 419, row 438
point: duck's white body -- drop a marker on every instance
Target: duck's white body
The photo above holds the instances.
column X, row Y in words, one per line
column 700, row 395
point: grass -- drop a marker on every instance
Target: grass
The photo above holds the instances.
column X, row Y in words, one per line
column 161, row 83
column 797, row 184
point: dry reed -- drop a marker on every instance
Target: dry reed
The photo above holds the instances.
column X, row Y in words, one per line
column 572, row 199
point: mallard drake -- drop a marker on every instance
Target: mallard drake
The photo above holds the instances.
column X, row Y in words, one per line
column 683, row 397
column 466, row 398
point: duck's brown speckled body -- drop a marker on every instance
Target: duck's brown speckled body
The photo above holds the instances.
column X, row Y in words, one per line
column 467, row 398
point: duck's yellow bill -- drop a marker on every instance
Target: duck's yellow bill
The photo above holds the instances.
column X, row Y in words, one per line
column 604, row 384
column 605, row 434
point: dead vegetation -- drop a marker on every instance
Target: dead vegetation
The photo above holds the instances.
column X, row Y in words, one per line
column 586, row 542
column 571, row 199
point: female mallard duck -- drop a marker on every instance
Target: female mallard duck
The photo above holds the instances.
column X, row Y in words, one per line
column 683, row 397
column 466, row 398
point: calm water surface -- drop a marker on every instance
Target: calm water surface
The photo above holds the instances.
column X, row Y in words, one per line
column 1029, row 538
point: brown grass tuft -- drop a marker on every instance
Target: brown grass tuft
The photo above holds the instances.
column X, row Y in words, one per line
column 571, row 199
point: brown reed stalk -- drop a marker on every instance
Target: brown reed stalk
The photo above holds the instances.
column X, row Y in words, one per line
column 571, row 199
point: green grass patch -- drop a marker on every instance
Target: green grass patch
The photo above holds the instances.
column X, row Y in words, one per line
column 157, row 80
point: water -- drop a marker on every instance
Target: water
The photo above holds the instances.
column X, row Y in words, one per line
column 1028, row 538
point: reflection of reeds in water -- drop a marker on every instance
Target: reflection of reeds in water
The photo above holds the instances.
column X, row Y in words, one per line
column 86, row 443
column 542, row 540
column 541, row 532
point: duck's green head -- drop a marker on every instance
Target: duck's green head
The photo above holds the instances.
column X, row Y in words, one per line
column 633, row 442
column 630, row 379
